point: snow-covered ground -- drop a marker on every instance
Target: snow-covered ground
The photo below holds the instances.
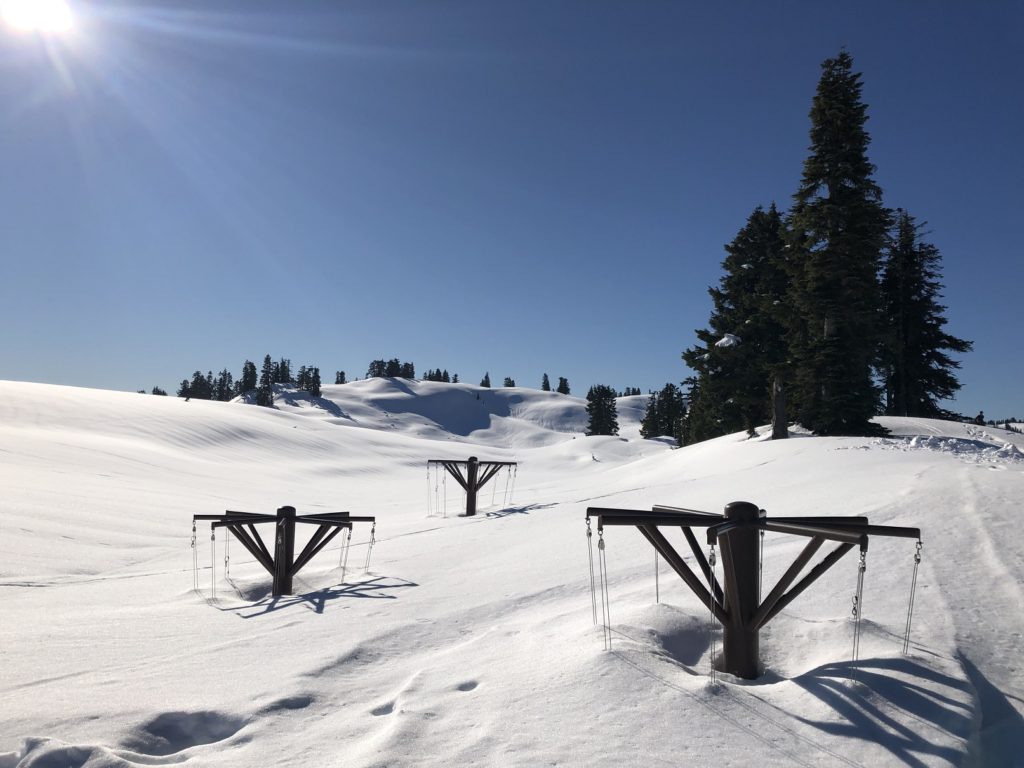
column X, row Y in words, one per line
column 470, row 641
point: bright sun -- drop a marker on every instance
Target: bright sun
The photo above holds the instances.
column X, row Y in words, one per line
column 51, row 16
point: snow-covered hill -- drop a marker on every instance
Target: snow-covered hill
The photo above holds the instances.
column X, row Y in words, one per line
column 470, row 640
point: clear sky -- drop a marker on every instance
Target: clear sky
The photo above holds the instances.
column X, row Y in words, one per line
column 513, row 187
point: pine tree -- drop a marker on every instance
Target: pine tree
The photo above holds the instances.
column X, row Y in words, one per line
column 313, row 375
column 563, row 386
column 744, row 349
column 665, row 413
column 509, row 382
column 284, row 372
column 703, row 420
column 393, row 368
column 377, row 369
column 339, row 377
column 486, row 380
column 545, row 384
column 265, row 387
column 455, row 378
column 223, row 386
column 918, row 372
column 184, row 389
column 601, row 411
column 249, row 379
column 158, row 391
column 201, row 387
column 838, row 228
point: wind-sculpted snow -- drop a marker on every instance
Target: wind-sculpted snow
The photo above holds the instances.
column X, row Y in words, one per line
column 472, row 640
column 975, row 451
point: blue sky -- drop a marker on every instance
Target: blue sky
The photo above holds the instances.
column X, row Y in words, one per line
column 518, row 187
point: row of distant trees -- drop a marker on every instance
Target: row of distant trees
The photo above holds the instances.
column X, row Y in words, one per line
column 259, row 384
column 830, row 314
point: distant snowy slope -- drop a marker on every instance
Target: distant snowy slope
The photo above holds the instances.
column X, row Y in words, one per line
column 439, row 411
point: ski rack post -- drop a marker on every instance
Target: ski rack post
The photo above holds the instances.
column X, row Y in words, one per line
column 283, row 564
column 736, row 532
column 476, row 476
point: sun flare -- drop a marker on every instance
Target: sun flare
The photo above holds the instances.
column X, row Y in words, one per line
column 47, row 16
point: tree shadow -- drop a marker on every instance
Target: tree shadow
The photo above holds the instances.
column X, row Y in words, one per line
column 878, row 706
column 377, row 588
column 1001, row 733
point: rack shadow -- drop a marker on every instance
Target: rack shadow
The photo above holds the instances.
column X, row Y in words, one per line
column 377, row 588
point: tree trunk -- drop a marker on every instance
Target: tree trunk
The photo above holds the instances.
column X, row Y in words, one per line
column 780, row 423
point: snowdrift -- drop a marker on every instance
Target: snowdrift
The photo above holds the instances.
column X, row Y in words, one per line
column 472, row 641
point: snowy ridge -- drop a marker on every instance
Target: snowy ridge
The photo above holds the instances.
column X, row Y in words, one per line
column 471, row 640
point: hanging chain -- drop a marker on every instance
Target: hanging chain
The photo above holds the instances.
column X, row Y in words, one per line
column 369, row 548
column 195, row 560
column 711, row 610
column 227, row 554
column 343, row 559
column 593, row 585
column 605, row 605
column 213, row 562
column 858, row 610
column 910, row 606
column 429, row 510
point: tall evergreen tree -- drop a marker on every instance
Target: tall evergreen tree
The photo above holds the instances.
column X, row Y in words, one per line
column 201, row 386
column 249, row 379
column 665, row 413
column 563, row 386
column 545, row 384
column 838, row 229
column 509, row 382
column 702, row 420
column 743, row 351
column 339, row 377
column 158, row 391
column 602, row 414
column 486, row 380
column 265, row 387
column 184, row 389
column 223, row 386
column 917, row 369
column 313, row 378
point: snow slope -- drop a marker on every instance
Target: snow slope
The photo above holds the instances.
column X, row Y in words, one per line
column 471, row 640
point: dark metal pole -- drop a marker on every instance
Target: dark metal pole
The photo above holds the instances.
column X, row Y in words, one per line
column 740, row 555
column 284, row 551
column 471, row 468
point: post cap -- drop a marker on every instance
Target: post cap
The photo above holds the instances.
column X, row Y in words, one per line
column 742, row 511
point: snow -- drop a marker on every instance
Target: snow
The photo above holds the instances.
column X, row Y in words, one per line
column 470, row 640
column 728, row 340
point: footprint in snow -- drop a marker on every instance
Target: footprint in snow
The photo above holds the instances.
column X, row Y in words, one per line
column 469, row 685
column 384, row 709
